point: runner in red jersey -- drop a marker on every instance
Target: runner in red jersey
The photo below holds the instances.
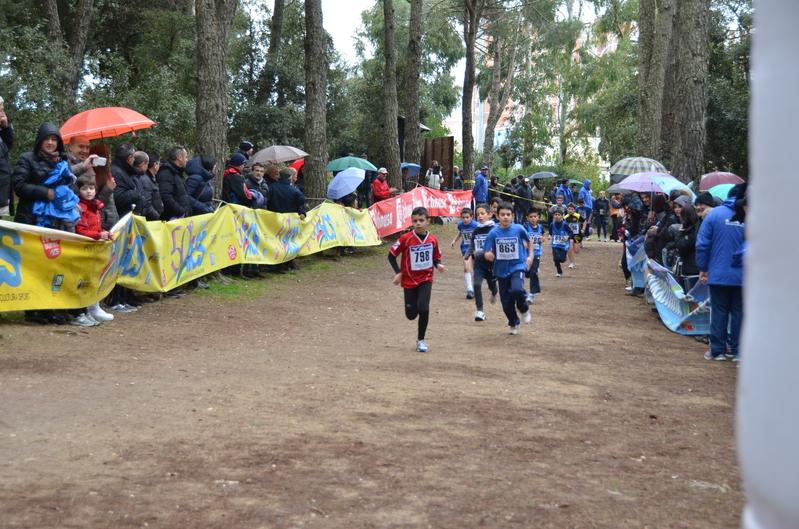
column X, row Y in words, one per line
column 420, row 257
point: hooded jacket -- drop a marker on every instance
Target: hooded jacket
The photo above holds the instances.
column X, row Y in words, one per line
column 90, row 223
column 128, row 190
column 587, row 195
column 718, row 240
column 152, row 194
column 199, row 187
column 6, row 143
column 564, row 190
column 30, row 172
column 233, row 188
column 173, row 191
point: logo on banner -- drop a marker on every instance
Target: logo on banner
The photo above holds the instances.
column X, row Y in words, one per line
column 52, row 247
column 58, row 280
column 231, row 252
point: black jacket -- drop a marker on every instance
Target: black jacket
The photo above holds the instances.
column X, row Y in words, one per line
column 31, row 170
column 199, row 187
column 283, row 198
column 128, row 190
column 686, row 247
column 173, row 191
column 262, row 187
column 6, row 143
column 233, row 188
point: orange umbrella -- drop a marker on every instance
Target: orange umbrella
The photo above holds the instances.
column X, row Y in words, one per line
column 105, row 122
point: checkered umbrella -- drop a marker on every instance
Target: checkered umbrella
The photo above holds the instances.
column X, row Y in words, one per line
column 636, row 164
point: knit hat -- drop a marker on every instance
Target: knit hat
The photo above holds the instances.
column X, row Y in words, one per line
column 285, row 173
column 682, row 200
column 208, row 161
column 237, row 159
column 706, row 199
column 245, row 146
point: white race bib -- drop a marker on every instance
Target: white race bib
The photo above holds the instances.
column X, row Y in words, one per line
column 559, row 239
column 467, row 236
column 507, row 248
column 479, row 241
column 536, row 241
column 422, row 257
column 575, row 227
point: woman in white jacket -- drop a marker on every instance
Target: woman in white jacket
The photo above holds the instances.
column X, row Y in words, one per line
column 434, row 176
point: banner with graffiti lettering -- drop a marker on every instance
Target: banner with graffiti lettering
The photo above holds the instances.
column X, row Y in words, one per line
column 48, row 269
column 636, row 260
column 682, row 313
column 394, row 215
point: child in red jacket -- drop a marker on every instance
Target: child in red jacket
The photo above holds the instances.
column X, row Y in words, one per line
column 90, row 225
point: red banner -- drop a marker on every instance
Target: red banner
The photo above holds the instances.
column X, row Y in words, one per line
column 394, row 215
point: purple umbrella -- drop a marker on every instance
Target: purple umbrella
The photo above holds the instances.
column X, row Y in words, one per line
column 642, row 182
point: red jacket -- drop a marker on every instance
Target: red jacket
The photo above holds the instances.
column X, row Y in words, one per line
column 90, row 223
column 380, row 190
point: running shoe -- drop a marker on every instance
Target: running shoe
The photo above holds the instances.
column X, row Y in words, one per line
column 81, row 321
column 421, row 346
column 736, row 359
column 628, row 289
column 514, row 329
column 527, row 317
column 571, row 265
column 530, row 299
column 91, row 319
column 719, row 358
column 479, row 316
column 470, row 294
column 122, row 307
column 559, row 275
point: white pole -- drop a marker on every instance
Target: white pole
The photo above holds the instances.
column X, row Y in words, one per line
column 768, row 382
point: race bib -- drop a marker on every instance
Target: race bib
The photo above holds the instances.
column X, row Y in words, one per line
column 559, row 239
column 467, row 236
column 536, row 241
column 575, row 227
column 422, row 257
column 507, row 248
column 479, row 241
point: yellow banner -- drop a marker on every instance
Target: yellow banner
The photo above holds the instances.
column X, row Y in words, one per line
column 48, row 269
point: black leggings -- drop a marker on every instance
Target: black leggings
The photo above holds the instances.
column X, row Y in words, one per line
column 417, row 303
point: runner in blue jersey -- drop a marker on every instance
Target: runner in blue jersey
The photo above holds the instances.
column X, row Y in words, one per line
column 559, row 234
column 536, row 233
column 482, row 268
column 466, row 227
column 509, row 247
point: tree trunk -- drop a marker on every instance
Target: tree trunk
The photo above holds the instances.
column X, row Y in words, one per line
column 497, row 102
column 692, row 77
column 214, row 23
column 273, row 52
column 656, row 22
column 670, row 95
column 53, row 26
column 413, row 140
column 472, row 16
column 77, row 45
column 315, row 101
column 390, row 111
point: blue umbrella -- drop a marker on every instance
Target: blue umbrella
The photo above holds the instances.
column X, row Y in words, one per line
column 667, row 183
column 345, row 182
column 413, row 169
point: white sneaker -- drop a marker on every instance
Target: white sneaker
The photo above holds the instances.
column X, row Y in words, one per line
column 99, row 314
column 81, row 321
column 514, row 329
column 559, row 275
column 421, row 346
column 91, row 319
column 493, row 298
column 527, row 317
column 571, row 265
column 628, row 289
column 479, row 316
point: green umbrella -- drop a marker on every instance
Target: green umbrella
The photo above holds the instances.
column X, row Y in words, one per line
column 721, row 190
column 350, row 161
column 575, row 182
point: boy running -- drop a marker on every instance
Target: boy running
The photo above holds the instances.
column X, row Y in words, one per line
column 575, row 222
column 465, row 229
column 510, row 249
column 559, row 234
column 588, row 218
column 536, row 233
column 420, row 256
column 482, row 268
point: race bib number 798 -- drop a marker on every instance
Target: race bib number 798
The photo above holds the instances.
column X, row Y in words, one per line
column 422, row 257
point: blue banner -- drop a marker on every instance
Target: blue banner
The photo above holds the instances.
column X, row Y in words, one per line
column 636, row 261
column 682, row 313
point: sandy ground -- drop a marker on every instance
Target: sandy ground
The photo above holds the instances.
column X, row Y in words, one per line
column 299, row 401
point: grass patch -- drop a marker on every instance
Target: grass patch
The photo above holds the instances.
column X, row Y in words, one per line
column 236, row 290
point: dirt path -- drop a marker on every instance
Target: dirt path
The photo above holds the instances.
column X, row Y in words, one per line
column 299, row 400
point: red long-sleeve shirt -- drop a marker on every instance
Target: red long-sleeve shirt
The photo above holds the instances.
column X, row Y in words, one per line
column 381, row 190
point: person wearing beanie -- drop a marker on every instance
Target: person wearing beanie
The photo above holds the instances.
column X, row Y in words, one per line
column 245, row 149
column 704, row 203
column 233, row 189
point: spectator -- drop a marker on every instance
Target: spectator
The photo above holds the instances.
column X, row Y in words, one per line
column 151, row 189
column 524, row 201
column 245, row 149
column 380, row 188
column 284, row 199
column 685, row 246
column 601, row 210
column 201, row 170
column 127, row 193
column 79, row 157
column 615, row 216
column 568, row 196
column 704, row 203
column 587, row 194
column 718, row 240
column 173, row 189
column 480, row 189
column 6, row 143
column 457, row 179
column 538, row 194
column 494, row 191
column 405, row 172
column 233, row 188
column 141, row 161
column 256, row 181
column 105, row 185
column 434, row 177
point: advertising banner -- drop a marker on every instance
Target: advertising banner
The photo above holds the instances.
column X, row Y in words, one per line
column 394, row 215
column 636, row 261
column 682, row 313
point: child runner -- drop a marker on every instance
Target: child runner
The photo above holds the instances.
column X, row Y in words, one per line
column 588, row 218
column 495, row 202
column 575, row 222
column 420, row 256
column 536, row 233
column 482, row 268
column 509, row 247
column 559, row 234
column 465, row 229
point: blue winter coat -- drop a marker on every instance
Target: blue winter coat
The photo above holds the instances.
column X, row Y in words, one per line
column 718, row 240
column 586, row 195
column 199, row 187
column 568, row 197
column 480, row 189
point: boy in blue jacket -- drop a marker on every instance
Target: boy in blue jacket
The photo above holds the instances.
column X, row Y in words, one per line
column 559, row 234
column 510, row 249
column 720, row 237
column 536, row 233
